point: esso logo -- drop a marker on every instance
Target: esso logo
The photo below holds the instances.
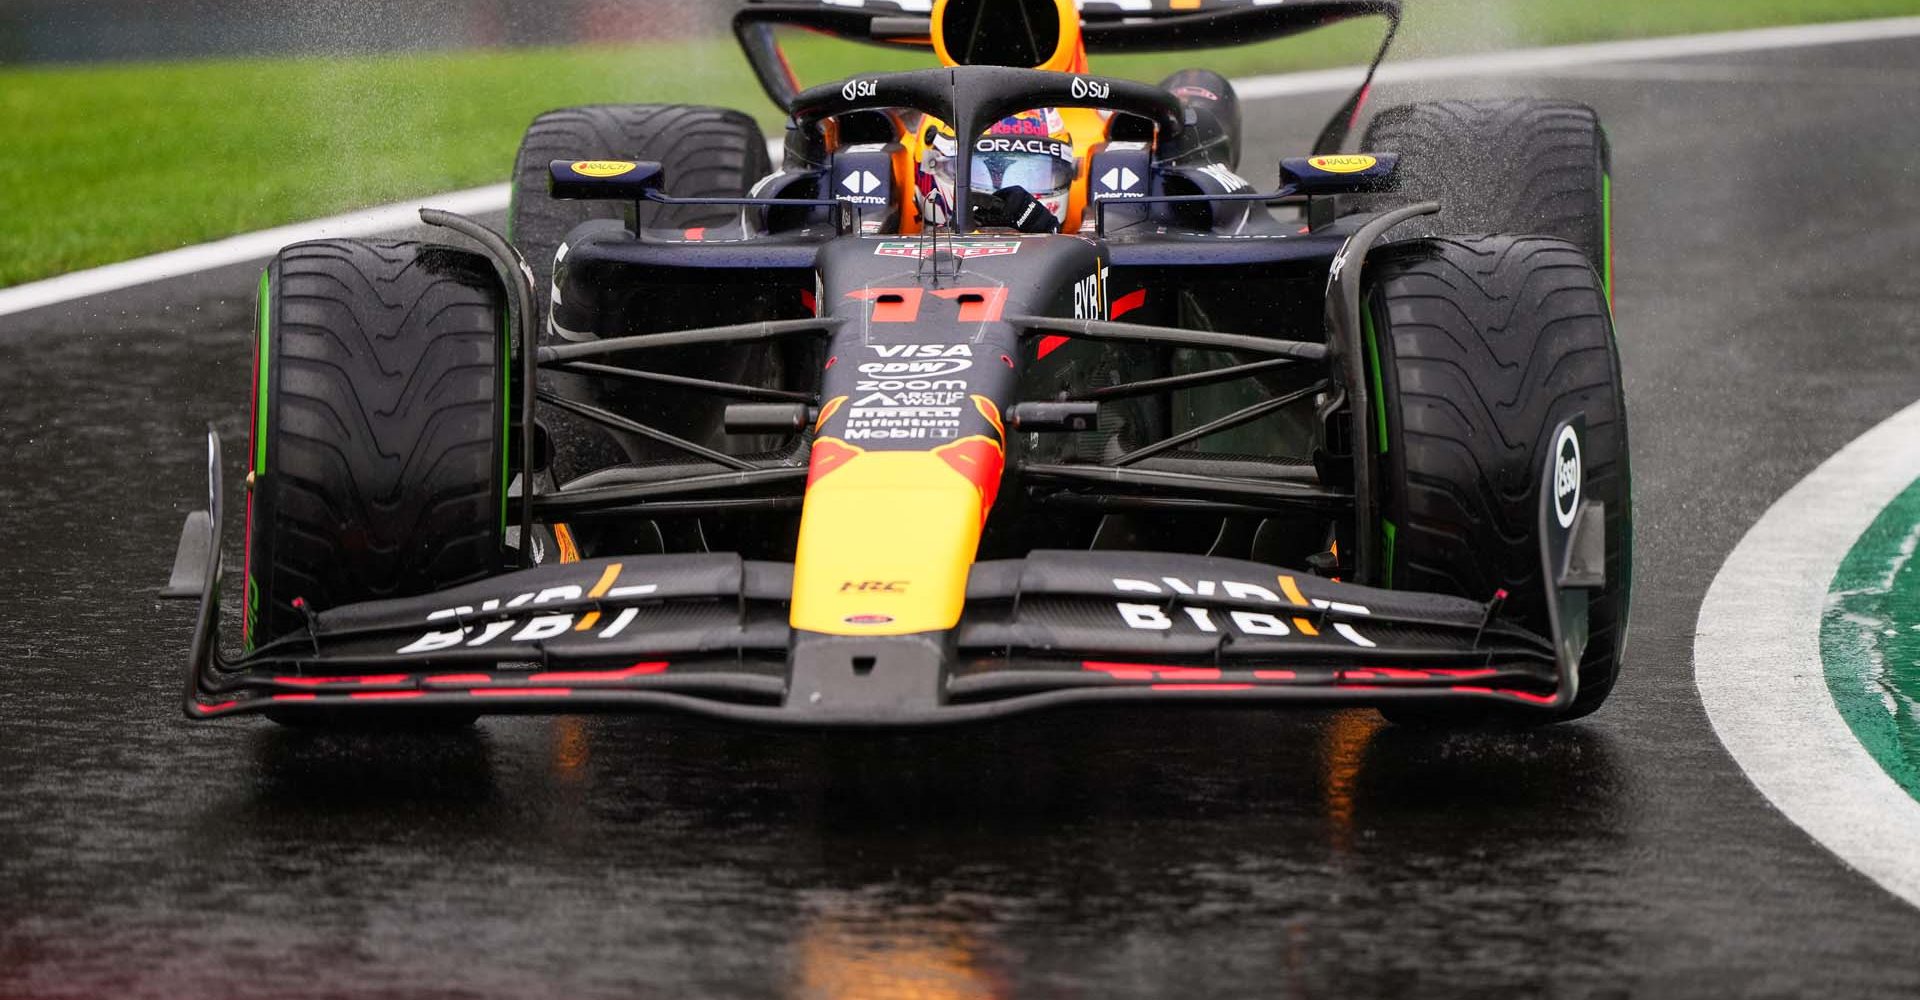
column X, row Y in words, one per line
column 1566, row 477
column 1084, row 89
column 856, row 89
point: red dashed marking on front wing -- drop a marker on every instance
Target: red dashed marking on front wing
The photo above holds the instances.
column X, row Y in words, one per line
column 362, row 681
column 1198, row 678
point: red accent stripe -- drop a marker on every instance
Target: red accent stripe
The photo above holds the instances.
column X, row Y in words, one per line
column 1148, row 671
column 1203, row 687
column 1189, row 674
column 1052, row 343
column 295, row 697
column 1127, row 303
column 812, row 304
column 211, row 709
column 1365, row 92
column 518, row 692
column 386, row 695
column 697, row 234
column 588, row 676
column 324, row 681
column 461, row 679
column 1276, row 675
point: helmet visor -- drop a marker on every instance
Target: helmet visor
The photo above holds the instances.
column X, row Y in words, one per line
column 1036, row 172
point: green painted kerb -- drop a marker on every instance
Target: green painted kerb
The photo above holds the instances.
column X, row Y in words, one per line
column 260, row 390
column 1870, row 640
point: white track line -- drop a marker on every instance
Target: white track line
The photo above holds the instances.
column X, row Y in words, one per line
column 1547, row 60
column 1756, row 659
column 387, row 218
column 241, row 249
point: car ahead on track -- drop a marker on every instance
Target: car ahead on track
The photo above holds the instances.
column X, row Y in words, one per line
column 1004, row 391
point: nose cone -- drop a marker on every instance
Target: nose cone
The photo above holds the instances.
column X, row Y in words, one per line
column 887, row 538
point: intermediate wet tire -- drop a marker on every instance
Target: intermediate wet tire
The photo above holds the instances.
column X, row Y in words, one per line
column 1483, row 346
column 1519, row 165
column 379, row 434
column 706, row 152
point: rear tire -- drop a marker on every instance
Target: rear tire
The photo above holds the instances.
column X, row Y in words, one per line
column 707, row 153
column 379, row 437
column 1484, row 346
column 1521, row 165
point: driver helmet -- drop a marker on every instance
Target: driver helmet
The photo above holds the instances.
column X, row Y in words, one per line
column 1031, row 150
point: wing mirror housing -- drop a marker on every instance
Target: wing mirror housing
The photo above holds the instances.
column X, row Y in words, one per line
column 1343, row 173
column 605, row 180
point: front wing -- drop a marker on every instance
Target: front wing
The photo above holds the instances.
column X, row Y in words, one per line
column 709, row 634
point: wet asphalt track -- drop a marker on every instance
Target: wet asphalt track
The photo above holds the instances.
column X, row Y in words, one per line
column 1769, row 311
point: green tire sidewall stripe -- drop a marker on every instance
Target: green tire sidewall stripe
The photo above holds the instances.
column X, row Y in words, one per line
column 1389, row 533
column 263, row 361
column 1606, row 236
column 1379, row 392
column 506, row 413
column 1870, row 640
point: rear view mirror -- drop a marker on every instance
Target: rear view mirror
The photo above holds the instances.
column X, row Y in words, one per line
column 605, row 180
column 1346, row 173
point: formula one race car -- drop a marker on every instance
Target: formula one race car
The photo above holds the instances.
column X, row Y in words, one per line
column 1004, row 391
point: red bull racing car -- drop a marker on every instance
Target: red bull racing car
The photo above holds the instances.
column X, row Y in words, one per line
column 1004, row 389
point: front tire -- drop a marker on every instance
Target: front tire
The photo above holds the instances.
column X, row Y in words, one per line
column 380, row 408
column 1483, row 346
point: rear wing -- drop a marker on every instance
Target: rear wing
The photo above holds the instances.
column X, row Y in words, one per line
column 1106, row 26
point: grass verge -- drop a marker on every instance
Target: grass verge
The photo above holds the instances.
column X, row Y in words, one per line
column 107, row 163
